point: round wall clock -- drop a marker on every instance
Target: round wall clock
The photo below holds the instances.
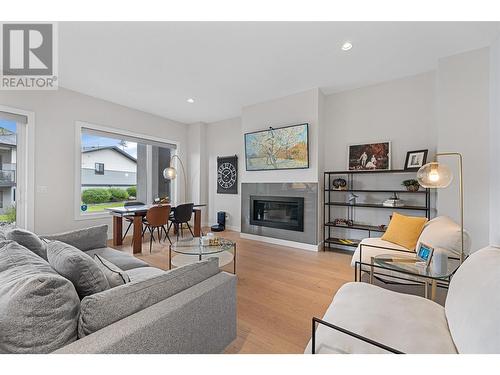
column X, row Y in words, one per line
column 227, row 175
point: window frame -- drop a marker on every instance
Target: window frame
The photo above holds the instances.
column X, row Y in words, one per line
column 79, row 127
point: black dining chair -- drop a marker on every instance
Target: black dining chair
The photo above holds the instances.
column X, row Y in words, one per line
column 130, row 219
column 156, row 219
column 182, row 214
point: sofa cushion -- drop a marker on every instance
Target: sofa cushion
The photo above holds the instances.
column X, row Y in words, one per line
column 102, row 309
column 368, row 252
column 83, row 239
column 119, row 258
column 404, row 322
column 473, row 303
column 29, row 240
column 115, row 275
column 404, row 230
column 142, row 273
column 77, row 267
column 38, row 308
column 444, row 233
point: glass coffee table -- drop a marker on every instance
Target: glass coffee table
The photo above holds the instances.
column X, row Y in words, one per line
column 191, row 250
column 413, row 268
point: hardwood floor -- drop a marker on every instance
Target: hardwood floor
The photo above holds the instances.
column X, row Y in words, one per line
column 279, row 290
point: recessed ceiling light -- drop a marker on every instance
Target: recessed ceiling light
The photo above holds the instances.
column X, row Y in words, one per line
column 190, row 100
column 346, row 46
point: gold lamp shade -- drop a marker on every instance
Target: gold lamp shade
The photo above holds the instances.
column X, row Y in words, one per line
column 434, row 175
column 170, row 173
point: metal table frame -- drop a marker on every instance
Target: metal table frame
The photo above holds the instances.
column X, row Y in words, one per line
column 428, row 281
column 200, row 256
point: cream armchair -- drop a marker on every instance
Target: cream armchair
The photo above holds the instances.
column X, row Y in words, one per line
column 440, row 233
column 364, row 318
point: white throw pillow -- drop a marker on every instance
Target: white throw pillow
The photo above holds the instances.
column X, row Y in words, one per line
column 444, row 233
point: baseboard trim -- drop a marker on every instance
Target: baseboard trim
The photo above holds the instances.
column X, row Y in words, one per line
column 277, row 241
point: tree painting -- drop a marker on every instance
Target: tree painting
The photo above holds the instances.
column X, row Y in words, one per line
column 282, row 148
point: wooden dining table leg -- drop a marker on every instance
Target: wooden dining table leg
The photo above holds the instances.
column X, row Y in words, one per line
column 197, row 223
column 117, row 230
column 137, row 247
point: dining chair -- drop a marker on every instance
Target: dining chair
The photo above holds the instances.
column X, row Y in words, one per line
column 156, row 219
column 130, row 219
column 182, row 214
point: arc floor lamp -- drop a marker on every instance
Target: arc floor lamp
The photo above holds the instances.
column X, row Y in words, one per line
column 436, row 175
column 170, row 173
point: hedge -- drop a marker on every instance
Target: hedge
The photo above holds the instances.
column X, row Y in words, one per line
column 97, row 195
column 118, row 194
column 132, row 191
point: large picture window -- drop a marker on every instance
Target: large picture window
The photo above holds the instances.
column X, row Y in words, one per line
column 117, row 168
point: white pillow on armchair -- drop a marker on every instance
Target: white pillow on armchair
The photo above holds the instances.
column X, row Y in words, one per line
column 440, row 232
column 444, row 233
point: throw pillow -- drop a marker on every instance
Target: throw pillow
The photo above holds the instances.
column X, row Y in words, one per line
column 83, row 239
column 404, row 230
column 29, row 240
column 77, row 267
column 113, row 273
column 39, row 309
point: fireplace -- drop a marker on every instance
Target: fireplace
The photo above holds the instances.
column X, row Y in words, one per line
column 277, row 212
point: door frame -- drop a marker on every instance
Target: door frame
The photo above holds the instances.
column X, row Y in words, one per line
column 25, row 181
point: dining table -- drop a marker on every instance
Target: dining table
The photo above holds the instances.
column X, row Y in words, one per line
column 138, row 213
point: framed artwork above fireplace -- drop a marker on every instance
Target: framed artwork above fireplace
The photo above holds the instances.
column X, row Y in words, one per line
column 278, row 148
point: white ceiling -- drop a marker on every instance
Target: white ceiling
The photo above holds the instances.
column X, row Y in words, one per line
column 224, row 66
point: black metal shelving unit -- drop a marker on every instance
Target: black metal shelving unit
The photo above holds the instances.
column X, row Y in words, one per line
column 330, row 241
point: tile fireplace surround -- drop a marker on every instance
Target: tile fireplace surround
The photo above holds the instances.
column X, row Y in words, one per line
column 307, row 191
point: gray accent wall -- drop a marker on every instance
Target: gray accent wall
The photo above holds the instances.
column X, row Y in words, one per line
column 309, row 191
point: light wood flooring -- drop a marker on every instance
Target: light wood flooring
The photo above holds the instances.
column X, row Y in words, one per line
column 279, row 290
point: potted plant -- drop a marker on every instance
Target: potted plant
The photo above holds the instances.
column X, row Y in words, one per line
column 411, row 185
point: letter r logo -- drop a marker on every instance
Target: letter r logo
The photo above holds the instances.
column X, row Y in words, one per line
column 27, row 49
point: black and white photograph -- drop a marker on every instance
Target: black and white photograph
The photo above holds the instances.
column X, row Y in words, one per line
column 415, row 159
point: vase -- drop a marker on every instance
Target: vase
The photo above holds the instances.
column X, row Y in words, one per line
column 413, row 188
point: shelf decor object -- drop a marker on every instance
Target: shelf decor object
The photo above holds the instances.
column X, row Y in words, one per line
column 335, row 204
column 369, row 156
column 415, row 159
column 435, row 175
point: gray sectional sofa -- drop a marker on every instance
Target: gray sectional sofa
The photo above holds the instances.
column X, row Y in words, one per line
column 45, row 309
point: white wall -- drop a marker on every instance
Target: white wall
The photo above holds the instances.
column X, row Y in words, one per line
column 494, row 169
column 401, row 111
column 224, row 138
column 290, row 110
column 55, row 116
column 463, row 126
column 197, row 166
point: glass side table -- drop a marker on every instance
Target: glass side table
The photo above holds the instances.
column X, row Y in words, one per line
column 412, row 268
column 191, row 251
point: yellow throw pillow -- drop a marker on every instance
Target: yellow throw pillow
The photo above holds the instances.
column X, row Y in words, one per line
column 404, row 230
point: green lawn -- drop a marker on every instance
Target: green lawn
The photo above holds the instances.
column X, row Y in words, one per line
column 102, row 206
column 3, row 218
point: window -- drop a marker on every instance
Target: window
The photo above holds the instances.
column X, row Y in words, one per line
column 134, row 170
column 8, row 153
column 99, row 168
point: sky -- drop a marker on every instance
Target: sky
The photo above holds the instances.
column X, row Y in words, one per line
column 9, row 125
column 89, row 140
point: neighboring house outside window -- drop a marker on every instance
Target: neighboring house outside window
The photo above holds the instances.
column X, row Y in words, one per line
column 99, row 168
